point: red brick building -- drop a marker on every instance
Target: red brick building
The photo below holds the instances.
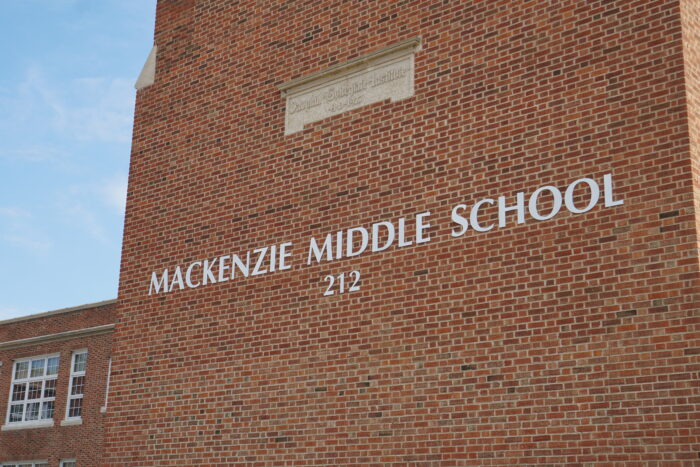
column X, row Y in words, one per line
column 53, row 384
column 411, row 233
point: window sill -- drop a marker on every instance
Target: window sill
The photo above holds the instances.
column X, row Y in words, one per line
column 72, row 422
column 27, row 425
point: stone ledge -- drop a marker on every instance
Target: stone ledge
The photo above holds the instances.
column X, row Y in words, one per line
column 27, row 425
column 72, row 422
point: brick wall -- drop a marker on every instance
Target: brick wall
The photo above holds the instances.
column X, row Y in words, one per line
column 570, row 341
column 82, row 442
column 691, row 46
column 74, row 318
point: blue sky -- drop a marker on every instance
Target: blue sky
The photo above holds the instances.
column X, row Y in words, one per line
column 66, row 111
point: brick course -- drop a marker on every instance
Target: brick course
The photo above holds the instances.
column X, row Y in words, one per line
column 569, row 341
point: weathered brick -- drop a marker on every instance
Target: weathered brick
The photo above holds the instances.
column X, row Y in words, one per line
column 509, row 96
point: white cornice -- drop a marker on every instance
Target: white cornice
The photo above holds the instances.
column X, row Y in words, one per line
column 60, row 336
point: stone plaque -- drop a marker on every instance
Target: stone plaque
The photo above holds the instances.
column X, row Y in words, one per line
column 385, row 74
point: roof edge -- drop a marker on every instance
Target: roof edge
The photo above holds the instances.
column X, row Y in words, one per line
column 59, row 311
column 59, row 336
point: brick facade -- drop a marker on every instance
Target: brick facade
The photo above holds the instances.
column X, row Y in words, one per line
column 83, row 442
column 571, row 341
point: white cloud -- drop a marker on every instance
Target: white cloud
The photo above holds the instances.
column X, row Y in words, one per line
column 34, row 245
column 33, row 153
column 94, row 109
column 86, row 219
column 110, row 191
column 84, row 204
column 108, row 113
column 13, row 211
column 114, row 192
column 8, row 312
column 17, row 230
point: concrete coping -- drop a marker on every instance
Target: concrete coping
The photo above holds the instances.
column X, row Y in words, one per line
column 59, row 336
column 59, row 311
column 148, row 72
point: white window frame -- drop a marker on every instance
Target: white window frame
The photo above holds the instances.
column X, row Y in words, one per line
column 66, row 461
column 73, row 374
column 45, row 422
column 23, row 463
column 103, row 409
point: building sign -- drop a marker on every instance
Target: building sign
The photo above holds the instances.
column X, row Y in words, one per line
column 404, row 232
column 385, row 74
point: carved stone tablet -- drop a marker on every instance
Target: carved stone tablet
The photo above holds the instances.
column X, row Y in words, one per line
column 385, row 74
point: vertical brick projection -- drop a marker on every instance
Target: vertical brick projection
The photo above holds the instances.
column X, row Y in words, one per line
column 690, row 14
column 568, row 341
column 82, row 442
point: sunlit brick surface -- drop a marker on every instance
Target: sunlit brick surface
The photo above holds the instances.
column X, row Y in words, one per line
column 571, row 341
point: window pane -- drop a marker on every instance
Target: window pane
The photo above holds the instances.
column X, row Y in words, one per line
column 79, row 363
column 34, row 390
column 32, row 411
column 47, row 410
column 52, row 366
column 50, row 388
column 19, row 391
column 21, row 370
column 37, row 368
column 41, row 465
column 16, row 412
column 68, row 464
column 76, row 406
column 78, row 385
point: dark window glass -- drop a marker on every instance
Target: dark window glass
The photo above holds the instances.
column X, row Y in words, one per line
column 78, row 385
column 75, row 408
column 19, row 391
column 50, row 388
column 35, row 390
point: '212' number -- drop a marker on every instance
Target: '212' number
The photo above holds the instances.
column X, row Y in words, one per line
column 354, row 276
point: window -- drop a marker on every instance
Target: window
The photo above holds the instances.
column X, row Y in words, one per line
column 26, row 464
column 74, row 408
column 68, row 463
column 33, row 390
